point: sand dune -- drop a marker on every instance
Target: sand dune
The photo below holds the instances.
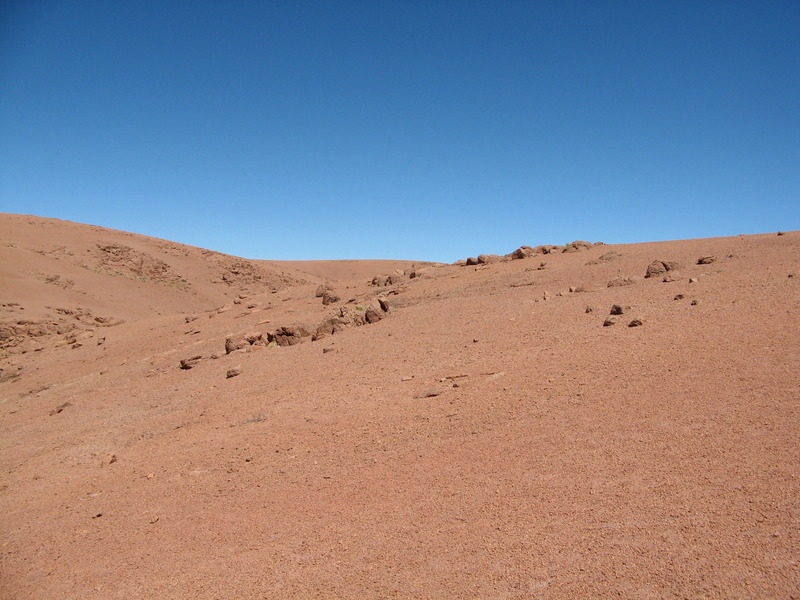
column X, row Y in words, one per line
column 178, row 423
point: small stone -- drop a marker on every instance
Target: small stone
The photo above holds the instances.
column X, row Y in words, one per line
column 59, row 408
column 679, row 297
column 695, row 302
column 693, row 280
column 407, row 378
column 429, row 393
column 545, row 295
column 111, row 459
column 233, row 372
column 781, row 233
column 188, row 363
column 590, row 308
column 326, row 350
column 635, row 323
column 616, row 310
column 609, row 322
column 706, row 260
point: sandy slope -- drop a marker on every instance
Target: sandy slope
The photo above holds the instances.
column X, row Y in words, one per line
column 478, row 441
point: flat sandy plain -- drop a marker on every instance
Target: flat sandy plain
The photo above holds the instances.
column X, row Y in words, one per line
column 486, row 437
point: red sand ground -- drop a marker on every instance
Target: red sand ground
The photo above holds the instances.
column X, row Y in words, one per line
column 479, row 441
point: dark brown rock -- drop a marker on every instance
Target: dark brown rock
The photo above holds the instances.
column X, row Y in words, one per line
column 232, row 344
column 654, row 269
column 329, row 297
column 324, row 329
column 254, row 337
column 235, row 371
column 373, row 315
column 288, row 335
column 659, row 267
column 472, row 261
column 635, row 323
column 522, row 252
column 617, row 310
column 428, row 393
column 706, row 260
column 188, row 363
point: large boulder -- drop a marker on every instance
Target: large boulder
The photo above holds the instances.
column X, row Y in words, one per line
column 329, row 297
column 659, row 267
column 523, row 252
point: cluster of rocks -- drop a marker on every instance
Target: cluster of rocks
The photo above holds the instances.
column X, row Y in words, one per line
column 617, row 310
column 526, row 252
column 327, row 293
column 398, row 276
column 21, row 336
column 282, row 336
column 659, row 268
column 342, row 318
column 346, row 316
column 118, row 259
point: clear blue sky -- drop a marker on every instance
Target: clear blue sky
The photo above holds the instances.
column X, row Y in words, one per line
column 402, row 129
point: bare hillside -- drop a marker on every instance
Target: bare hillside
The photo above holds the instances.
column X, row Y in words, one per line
column 584, row 421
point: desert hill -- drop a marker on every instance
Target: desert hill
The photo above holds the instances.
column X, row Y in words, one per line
column 326, row 430
column 59, row 277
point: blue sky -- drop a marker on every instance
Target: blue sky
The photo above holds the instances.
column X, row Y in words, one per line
column 402, row 129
